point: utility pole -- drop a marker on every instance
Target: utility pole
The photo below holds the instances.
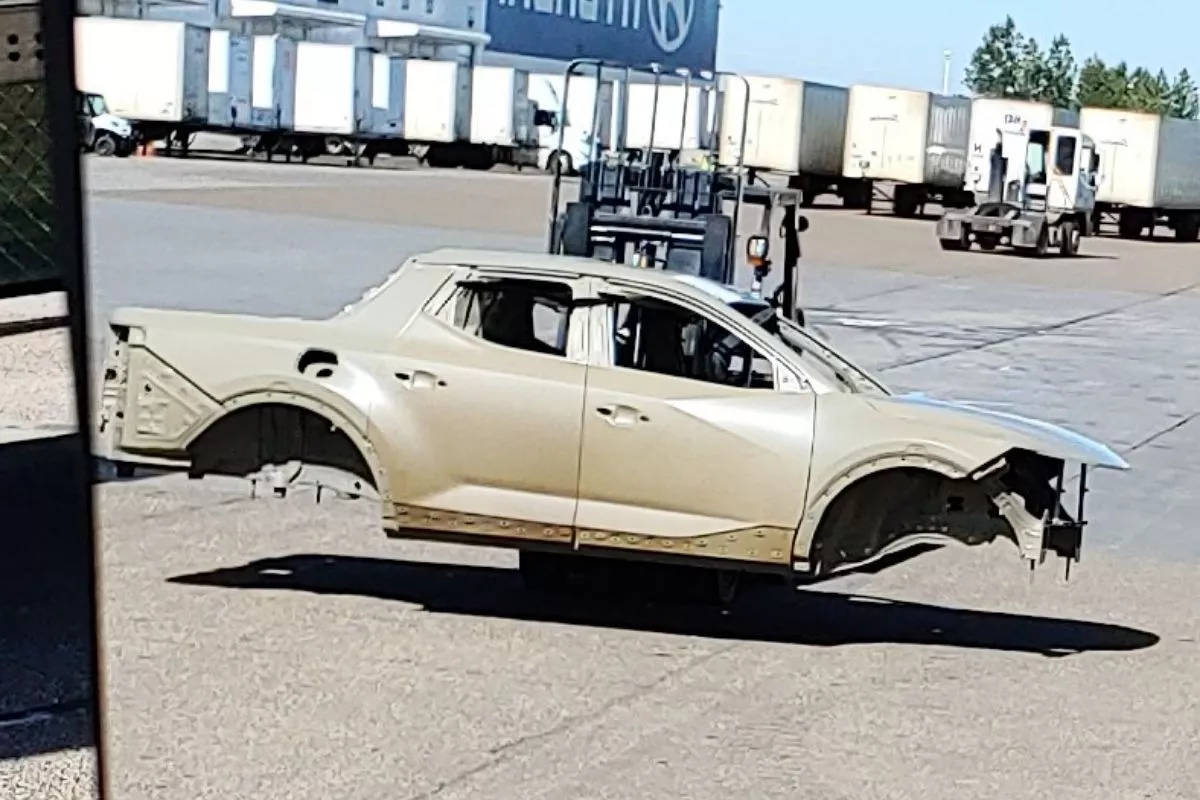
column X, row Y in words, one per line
column 946, row 71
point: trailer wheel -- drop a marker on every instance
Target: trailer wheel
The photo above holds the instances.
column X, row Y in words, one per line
column 105, row 145
column 1043, row 243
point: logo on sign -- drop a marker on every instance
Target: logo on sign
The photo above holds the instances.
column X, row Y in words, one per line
column 670, row 21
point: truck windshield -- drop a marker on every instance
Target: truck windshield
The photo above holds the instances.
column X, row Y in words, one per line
column 95, row 105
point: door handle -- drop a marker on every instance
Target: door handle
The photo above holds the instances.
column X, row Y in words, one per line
column 419, row 379
column 621, row 416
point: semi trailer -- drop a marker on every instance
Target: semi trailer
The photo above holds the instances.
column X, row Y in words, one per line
column 915, row 140
column 1149, row 171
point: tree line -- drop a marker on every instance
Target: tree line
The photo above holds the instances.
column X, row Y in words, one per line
column 1009, row 64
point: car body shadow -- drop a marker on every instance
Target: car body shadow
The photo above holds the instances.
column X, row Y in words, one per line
column 782, row 616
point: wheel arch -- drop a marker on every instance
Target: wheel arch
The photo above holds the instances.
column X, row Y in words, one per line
column 815, row 527
column 260, row 428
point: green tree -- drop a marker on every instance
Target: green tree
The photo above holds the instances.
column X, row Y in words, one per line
column 994, row 69
column 1061, row 73
column 1009, row 64
column 1183, row 99
column 1146, row 91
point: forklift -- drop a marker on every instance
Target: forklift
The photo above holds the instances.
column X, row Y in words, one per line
column 654, row 209
column 1041, row 195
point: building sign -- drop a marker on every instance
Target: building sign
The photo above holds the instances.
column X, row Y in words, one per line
column 678, row 34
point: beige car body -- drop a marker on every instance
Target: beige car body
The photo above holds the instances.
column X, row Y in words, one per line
column 466, row 440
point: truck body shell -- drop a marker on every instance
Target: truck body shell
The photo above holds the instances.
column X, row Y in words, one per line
column 333, row 89
column 1146, row 161
column 501, row 113
column 147, row 70
column 583, row 109
column 437, row 101
column 793, row 127
column 906, row 136
column 230, row 79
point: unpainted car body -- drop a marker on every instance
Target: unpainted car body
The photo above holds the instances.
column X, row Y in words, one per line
column 566, row 405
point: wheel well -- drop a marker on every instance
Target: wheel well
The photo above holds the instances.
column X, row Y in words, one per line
column 878, row 509
column 247, row 439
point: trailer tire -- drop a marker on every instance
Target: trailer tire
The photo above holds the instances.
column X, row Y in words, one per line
column 105, row 145
column 1043, row 243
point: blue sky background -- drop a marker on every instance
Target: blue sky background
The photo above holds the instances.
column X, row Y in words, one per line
column 901, row 43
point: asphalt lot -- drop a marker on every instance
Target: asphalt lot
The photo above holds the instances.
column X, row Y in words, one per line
column 284, row 648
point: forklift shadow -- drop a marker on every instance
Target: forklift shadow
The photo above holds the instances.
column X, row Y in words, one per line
column 803, row 618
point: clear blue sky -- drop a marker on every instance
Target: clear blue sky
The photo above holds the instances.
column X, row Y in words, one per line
column 900, row 43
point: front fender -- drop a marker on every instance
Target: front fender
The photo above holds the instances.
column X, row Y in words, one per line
column 828, row 480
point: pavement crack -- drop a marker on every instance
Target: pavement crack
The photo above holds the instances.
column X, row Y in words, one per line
column 1159, row 434
column 503, row 752
column 1042, row 329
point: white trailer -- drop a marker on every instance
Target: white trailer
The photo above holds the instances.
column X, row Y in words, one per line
column 1007, row 122
column 1149, row 171
column 916, row 140
column 678, row 116
column 389, row 81
column 796, row 128
column 333, row 90
column 153, row 73
column 230, row 80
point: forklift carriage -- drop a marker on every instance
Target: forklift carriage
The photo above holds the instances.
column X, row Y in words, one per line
column 660, row 209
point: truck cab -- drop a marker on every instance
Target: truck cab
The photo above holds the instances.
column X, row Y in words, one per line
column 101, row 131
column 1040, row 194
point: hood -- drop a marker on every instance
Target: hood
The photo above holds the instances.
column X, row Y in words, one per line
column 1042, row 437
column 111, row 122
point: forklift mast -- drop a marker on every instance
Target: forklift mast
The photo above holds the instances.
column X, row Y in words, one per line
column 654, row 208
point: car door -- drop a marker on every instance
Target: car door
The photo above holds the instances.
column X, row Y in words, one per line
column 683, row 461
column 481, row 415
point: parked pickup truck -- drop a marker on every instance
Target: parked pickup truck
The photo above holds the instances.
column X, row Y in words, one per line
column 569, row 407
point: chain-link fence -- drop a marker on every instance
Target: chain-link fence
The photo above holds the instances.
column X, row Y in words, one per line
column 28, row 263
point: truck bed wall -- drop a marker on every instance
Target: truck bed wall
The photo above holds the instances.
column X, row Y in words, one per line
column 1146, row 161
column 678, row 118
column 793, row 126
column 230, row 79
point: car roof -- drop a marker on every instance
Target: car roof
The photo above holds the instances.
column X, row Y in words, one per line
column 545, row 262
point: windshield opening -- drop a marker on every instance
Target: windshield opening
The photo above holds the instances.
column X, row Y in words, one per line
column 817, row 357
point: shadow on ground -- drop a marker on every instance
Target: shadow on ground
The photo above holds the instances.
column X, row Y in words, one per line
column 815, row 619
column 45, row 600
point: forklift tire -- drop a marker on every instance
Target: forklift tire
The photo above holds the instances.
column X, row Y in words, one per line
column 105, row 145
column 575, row 237
column 963, row 242
column 714, row 257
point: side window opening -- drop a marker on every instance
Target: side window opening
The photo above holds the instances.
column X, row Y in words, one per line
column 655, row 336
column 1064, row 155
column 525, row 315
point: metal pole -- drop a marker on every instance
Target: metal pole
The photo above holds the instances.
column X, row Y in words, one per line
column 946, row 72
column 553, row 244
